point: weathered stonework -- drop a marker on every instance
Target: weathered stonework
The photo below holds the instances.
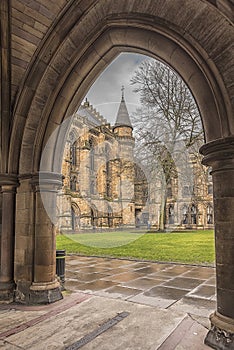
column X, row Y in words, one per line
column 47, row 67
column 98, row 169
column 221, row 333
column 105, row 186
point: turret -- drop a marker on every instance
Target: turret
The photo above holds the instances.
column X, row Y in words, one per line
column 123, row 126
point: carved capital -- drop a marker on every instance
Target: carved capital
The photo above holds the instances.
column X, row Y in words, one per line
column 8, row 182
column 219, row 154
column 47, row 181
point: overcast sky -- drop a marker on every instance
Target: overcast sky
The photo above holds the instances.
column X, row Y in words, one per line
column 105, row 93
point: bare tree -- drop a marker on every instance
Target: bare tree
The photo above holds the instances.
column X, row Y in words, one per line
column 168, row 116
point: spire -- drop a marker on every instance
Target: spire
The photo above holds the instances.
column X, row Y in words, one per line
column 123, row 118
column 122, row 89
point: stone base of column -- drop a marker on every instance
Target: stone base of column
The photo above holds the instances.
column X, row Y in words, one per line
column 45, row 293
column 7, row 292
column 221, row 334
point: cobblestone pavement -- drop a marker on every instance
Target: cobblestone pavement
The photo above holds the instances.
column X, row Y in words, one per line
column 150, row 283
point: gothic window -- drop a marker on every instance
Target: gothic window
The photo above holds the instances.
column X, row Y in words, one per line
column 91, row 145
column 108, row 189
column 171, row 214
column 209, row 214
column 73, row 153
column 193, row 215
column 110, row 216
column 145, row 218
column 186, row 191
column 75, row 217
column 73, row 181
column 92, row 187
column 185, row 215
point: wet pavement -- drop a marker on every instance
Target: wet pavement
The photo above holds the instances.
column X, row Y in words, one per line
column 115, row 304
column 157, row 284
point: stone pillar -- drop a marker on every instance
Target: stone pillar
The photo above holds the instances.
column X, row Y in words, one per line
column 219, row 155
column 8, row 185
column 45, row 287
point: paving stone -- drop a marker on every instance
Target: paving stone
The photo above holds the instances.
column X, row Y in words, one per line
column 150, row 269
column 120, row 292
column 117, row 270
column 139, row 265
column 73, row 285
column 93, row 269
column 69, row 326
column 200, row 273
column 211, row 281
column 203, row 291
column 195, row 306
column 166, row 292
column 96, row 285
column 144, row 283
column 123, row 277
column 112, row 263
column 152, row 301
column 179, row 269
column 170, row 273
column 184, row 283
column 186, row 334
column 82, row 277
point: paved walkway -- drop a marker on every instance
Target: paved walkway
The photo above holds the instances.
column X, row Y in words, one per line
column 112, row 304
column 163, row 285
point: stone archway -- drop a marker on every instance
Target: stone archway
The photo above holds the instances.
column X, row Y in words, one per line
column 195, row 39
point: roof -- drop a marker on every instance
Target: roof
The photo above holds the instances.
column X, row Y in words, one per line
column 87, row 111
column 123, row 118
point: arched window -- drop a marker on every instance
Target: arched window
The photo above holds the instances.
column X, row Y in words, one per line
column 171, row 217
column 73, row 154
column 75, row 217
column 108, row 170
column 210, row 214
column 92, row 187
column 185, row 215
column 73, row 181
column 110, row 216
column 193, row 211
column 108, row 188
column 91, row 146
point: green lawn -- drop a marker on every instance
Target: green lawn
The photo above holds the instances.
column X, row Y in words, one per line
column 186, row 247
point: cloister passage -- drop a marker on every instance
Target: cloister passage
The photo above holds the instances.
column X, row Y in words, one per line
column 51, row 52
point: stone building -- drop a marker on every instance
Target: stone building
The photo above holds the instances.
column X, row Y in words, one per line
column 50, row 54
column 105, row 187
column 98, row 171
column 188, row 203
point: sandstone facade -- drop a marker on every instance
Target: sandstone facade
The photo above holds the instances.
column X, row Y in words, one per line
column 106, row 187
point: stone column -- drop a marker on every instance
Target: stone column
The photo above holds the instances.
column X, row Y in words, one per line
column 45, row 287
column 8, row 185
column 220, row 156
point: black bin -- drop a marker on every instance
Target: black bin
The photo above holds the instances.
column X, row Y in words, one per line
column 60, row 264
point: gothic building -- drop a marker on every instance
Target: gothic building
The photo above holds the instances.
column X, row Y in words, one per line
column 105, row 187
column 98, row 169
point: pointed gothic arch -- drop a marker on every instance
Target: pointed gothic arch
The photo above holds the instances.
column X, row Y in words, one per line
column 80, row 42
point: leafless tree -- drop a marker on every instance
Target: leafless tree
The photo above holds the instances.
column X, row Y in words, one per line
column 168, row 117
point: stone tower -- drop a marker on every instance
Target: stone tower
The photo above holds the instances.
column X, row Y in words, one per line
column 124, row 164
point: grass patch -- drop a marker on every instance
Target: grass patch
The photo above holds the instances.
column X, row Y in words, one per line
column 185, row 247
